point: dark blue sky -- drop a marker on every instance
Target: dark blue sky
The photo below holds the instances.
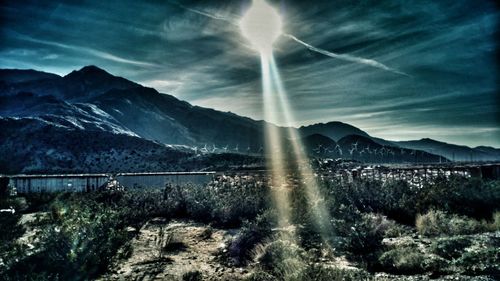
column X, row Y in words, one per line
column 447, row 47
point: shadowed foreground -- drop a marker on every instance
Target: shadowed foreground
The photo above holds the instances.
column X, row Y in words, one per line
column 228, row 230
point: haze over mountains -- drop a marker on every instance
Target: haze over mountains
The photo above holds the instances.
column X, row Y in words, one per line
column 92, row 121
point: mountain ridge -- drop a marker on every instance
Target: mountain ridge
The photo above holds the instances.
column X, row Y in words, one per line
column 91, row 99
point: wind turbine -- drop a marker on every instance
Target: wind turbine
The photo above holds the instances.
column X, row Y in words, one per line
column 351, row 151
column 204, row 149
column 356, row 145
column 318, row 149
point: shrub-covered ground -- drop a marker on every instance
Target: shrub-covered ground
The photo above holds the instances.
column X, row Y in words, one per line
column 448, row 229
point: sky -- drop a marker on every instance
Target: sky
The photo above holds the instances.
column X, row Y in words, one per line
column 447, row 48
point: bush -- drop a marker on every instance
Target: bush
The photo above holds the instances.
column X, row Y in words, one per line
column 472, row 197
column 436, row 223
column 364, row 240
column 483, row 261
column 397, row 200
column 223, row 204
column 84, row 233
column 192, row 276
column 450, row 248
column 251, row 234
column 409, row 260
column 282, row 258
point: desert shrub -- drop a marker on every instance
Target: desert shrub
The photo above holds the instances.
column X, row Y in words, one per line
column 450, row 248
column 364, row 240
column 85, row 232
column 304, row 217
column 282, row 258
column 222, row 204
column 482, row 261
column 194, row 275
column 251, row 234
column 381, row 224
column 206, row 233
column 494, row 225
column 10, row 230
column 409, row 260
column 398, row 201
column 471, row 197
column 401, row 202
column 436, row 223
column 394, row 199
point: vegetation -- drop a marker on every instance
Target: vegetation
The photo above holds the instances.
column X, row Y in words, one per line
column 438, row 229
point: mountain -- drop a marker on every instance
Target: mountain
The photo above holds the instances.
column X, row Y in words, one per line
column 91, row 120
column 78, row 85
column 11, row 76
column 33, row 145
column 84, row 116
column 337, row 130
column 334, row 130
column 166, row 119
column 363, row 148
column 317, row 143
column 130, row 107
column 453, row 151
column 495, row 152
column 83, row 122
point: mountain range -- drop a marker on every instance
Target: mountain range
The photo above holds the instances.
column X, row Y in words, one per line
column 92, row 121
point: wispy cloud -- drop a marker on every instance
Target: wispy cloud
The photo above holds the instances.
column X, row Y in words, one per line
column 86, row 50
column 345, row 57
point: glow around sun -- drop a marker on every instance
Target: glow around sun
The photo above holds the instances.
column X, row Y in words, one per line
column 261, row 25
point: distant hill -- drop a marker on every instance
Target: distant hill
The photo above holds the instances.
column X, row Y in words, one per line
column 363, row 148
column 334, row 130
column 453, row 151
column 32, row 145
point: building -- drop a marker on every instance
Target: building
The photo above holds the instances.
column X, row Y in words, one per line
column 58, row 183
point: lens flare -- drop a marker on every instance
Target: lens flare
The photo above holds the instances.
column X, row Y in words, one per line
column 261, row 25
column 274, row 149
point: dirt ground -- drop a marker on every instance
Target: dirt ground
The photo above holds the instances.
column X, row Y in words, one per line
column 187, row 247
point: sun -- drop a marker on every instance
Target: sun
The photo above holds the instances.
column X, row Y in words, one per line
column 261, row 25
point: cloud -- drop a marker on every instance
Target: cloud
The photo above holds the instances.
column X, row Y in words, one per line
column 85, row 50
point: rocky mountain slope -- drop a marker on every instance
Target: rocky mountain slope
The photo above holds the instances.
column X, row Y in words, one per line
column 74, row 122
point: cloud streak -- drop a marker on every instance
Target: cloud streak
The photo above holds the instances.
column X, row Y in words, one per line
column 93, row 52
column 346, row 57
column 204, row 13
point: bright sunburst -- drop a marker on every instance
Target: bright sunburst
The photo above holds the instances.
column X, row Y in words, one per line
column 261, row 25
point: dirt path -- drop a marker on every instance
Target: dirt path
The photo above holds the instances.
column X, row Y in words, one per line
column 188, row 247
